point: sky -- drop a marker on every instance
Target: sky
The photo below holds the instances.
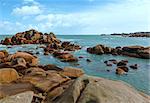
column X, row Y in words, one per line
column 75, row 16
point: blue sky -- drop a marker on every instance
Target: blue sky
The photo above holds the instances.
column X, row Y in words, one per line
column 74, row 16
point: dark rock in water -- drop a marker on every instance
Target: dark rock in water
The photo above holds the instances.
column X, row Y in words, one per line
column 65, row 56
column 124, row 68
column 120, row 71
column 108, row 64
column 81, row 57
column 105, row 62
column 135, row 66
column 98, row 49
column 113, row 61
column 108, row 70
column 132, row 51
column 88, row 60
column 31, row 37
column 37, row 52
column 122, row 63
column 46, row 53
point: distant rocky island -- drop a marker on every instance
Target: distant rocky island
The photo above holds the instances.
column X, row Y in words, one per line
column 135, row 34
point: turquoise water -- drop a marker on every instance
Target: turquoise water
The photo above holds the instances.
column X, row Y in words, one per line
column 137, row 78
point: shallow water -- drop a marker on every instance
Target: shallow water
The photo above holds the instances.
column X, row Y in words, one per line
column 137, row 78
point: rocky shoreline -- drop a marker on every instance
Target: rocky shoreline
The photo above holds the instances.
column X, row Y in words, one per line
column 132, row 51
column 136, row 34
column 23, row 80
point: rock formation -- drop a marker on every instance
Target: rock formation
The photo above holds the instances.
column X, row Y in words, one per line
column 132, row 51
column 28, row 83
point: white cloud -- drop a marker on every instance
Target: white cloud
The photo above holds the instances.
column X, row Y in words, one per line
column 27, row 10
column 33, row 2
column 124, row 16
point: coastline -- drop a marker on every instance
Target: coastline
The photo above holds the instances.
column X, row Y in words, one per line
column 62, row 51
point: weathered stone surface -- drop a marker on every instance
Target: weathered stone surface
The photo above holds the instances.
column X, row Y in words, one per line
column 132, row 51
column 72, row 72
column 14, row 88
column 30, row 59
column 25, row 97
column 44, row 81
column 88, row 89
column 8, row 75
column 52, row 67
column 31, row 37
column 65, row 57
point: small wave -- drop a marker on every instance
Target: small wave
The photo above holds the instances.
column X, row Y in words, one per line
column 62, row 39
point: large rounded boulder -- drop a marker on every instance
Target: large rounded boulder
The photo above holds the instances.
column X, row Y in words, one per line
column 30, row 59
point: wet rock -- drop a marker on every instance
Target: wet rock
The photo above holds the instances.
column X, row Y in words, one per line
column 65, row 57
column 65, row 44
column 72, row 72
column 124, row 68
column 144, row 53
column 132, row 51
column 122, row 63
column 113, row 61
column 8, row 75
column 7, row 41
column 135, row 66
column 88, row 60
column 46, row 53
column 120, row 71
column 108, row 64
column 37, row 52
column 87, row 89
column 25, row 97
column 105, row 62
column 31, row 37
column 81, row 57
column 98, row 49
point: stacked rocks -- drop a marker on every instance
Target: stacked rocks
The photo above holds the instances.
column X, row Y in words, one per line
column 132, row 51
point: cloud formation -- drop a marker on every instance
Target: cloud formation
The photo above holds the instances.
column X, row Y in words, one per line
column 121, row 16
column 27, row 10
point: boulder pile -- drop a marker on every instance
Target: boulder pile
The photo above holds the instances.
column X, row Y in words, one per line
column 132, row 51
column 31, row 37
column 23, row 80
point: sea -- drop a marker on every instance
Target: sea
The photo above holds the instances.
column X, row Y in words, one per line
column 140, row 78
